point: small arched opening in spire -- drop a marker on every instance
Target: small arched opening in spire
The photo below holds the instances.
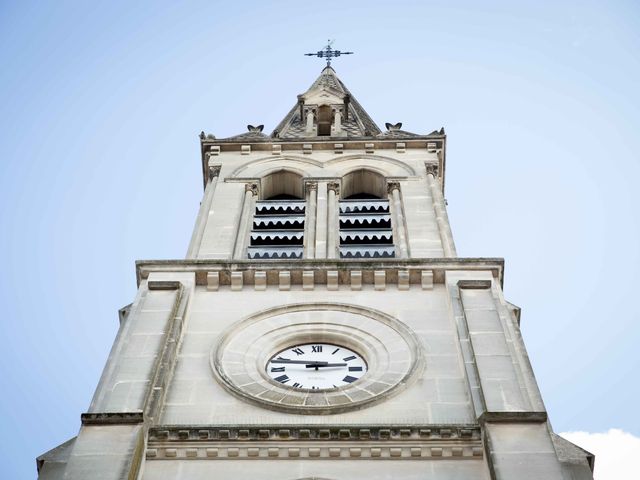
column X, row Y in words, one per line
column 324, row 120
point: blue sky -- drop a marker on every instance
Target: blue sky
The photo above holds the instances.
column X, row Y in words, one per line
column 102, row 104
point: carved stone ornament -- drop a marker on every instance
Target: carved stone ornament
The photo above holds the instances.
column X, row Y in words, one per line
column 257, row 129
column 432, row 169
column 391, row 186
column 311, row 185
column 391, row 127
column 214, row 171
column 334, row 186
column 251, row 187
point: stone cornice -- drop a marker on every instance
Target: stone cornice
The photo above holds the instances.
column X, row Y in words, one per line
column 512, row 417
column 371, row 442
column 348, row 142
column 310, row 272
column 235, row 433
column 112, row 418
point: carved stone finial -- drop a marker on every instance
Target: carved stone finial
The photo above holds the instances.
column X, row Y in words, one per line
column 257, row 129
column 391, row 186
column 251, row 187
column 432, row 169
column 214, row 171
column 202, row 135
column 392, row 127
column 334, row 186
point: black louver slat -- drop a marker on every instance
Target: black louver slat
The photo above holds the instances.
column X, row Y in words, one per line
column 348, row 237
column 362, row 223
column 367, row 251
column 277, row 234
column 274, row 240
column 274, row 252
column 364, row 206
column 278, row 222
column 280, row 207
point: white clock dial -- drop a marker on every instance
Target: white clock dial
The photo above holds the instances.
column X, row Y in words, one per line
column 316, row 366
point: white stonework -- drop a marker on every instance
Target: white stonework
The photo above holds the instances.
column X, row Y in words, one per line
column 328, row 231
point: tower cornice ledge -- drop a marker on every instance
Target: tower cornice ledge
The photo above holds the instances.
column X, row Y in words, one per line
column 320, row 143
column 406, row 271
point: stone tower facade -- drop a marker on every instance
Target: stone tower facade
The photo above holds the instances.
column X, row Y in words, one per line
column 321, row 326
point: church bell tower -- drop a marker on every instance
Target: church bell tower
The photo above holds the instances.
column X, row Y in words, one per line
column 322, row 326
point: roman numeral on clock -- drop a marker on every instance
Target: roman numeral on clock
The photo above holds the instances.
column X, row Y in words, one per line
column 284, row 379
column 297, row 385
column 298, row 351
column 349, row 379
column 316, row 348
column 352, row 357
column 277, row 369
column 352, row 369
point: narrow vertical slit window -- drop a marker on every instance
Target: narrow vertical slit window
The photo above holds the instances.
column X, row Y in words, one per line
column 325, row 117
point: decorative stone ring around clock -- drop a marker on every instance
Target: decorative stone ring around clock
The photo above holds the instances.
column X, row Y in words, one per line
column 316, row 358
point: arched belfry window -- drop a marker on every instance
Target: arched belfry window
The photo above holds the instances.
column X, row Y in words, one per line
column 365, row 219
column 278, row 220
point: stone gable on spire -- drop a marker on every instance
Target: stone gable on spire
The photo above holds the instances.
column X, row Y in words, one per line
column 327, row 103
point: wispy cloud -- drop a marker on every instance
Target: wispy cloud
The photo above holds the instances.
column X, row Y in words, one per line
column 616, row 452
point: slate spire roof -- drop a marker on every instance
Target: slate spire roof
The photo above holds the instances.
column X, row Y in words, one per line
column 327, row 90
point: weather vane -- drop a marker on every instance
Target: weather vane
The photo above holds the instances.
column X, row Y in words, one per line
column 328, row 53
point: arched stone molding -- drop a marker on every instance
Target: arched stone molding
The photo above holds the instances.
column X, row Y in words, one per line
column 282, row 181
column 364, row 180
column 308, row 167
column 386, row 166
column 263, row 166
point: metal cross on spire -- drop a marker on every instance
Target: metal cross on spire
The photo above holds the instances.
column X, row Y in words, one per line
column 328, row 53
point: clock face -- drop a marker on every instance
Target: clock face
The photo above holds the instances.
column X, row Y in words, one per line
column 316, row 366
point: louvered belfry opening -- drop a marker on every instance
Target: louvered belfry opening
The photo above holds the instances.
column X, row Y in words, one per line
column 278, row 221
column 365, row 219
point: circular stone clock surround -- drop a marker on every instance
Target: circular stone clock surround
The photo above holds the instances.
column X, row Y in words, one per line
column 389, row 348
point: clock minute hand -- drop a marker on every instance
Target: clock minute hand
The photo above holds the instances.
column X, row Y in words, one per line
column 300, row 362
column 311, row 365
